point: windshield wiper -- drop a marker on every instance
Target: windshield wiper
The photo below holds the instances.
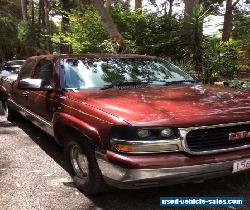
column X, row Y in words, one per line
column 179, row 82
column 72, row 89
column 139, row 83
column 124, row 84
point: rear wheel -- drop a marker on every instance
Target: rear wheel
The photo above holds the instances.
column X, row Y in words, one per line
column 83, row 167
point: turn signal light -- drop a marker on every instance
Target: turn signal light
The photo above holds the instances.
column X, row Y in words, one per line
column 124, row 148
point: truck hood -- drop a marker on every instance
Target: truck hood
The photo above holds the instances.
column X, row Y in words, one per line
column 182, row 106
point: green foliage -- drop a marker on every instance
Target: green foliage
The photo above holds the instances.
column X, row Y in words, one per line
column 246, row 85
column 241, row 26
column 234, row 84
column 197, row 15
column 8, row 37
column 107, row 46
column 152, row 34
column 110, row 47
column 221, row 59
column 237, row 84
column 28, row 35
column 144, row 33
column 213, row 6
column 32, row 38
column 86, row 33
column 186, row 65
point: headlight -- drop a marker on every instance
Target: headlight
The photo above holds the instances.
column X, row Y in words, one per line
column 131, row 139
column 131, row 133
column 143, row 133
column 167, row 132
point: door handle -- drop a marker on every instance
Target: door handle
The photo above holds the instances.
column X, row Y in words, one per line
column 25, row 93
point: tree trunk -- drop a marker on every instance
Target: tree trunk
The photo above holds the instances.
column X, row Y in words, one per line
column 65, row 48
column 189, row 5
column 197, row 48
column 108, row 4
column 24, row 9
column 138, row 4
column 47, row 24
column 32, row 12
column 108, row 23
column 41, row 18
column 170, row 11
column 40, row 22
column 41, row 15
column 228, row 20
column 193, row 35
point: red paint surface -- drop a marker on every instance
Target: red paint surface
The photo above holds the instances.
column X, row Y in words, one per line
column 180, row 106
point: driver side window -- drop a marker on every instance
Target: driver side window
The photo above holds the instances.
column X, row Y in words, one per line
column 44, row 71
column 27, row 68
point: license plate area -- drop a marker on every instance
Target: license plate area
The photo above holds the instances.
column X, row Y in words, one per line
column 241, row 165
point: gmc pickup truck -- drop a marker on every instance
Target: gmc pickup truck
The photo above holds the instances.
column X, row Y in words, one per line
column 131, row 121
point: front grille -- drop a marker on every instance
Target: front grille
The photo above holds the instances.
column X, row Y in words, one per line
column 216, row 138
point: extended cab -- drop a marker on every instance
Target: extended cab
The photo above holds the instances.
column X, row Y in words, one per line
column 131, row 121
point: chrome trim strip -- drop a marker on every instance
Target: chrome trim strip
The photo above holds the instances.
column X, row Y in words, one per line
column 185, row 131
column 154, row 146
column 34, row 118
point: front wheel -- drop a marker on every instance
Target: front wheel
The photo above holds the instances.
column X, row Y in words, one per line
column 3, row 108
column 11, row 114
column 83, row 167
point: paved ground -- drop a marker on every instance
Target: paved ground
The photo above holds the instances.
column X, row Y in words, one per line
column 33, row 176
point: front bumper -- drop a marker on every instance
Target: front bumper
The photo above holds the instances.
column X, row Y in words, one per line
column 127, row 178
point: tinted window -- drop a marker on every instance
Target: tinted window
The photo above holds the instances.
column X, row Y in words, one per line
column 27, row 68
column 44, row 71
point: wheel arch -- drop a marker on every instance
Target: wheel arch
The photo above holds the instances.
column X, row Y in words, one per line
column 66, row 125
column 3, row 93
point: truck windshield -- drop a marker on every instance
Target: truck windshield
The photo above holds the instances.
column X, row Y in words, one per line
column 89, row 73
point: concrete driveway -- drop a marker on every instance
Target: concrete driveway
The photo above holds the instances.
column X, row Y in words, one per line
column 33, row 176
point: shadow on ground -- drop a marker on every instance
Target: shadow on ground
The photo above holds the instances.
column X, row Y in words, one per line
column 237, row 185
column 44, row 141
column 6, row 124
column 4, row 128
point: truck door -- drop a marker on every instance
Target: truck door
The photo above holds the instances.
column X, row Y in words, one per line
column 42, row 101
column 21, row 97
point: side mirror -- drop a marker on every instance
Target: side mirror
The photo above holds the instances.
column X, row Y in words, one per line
column 34, row 84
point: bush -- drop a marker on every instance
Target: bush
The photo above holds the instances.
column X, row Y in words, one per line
column 220, row 59
column 152, row 34
column 8, row 37
column 86, row 33
column 144, row 33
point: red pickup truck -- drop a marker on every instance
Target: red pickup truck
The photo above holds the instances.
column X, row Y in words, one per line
column 131, row 121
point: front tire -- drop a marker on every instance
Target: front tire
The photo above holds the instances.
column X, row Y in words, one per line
column 11, row 114
column 3, row 108
column 83, row 167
